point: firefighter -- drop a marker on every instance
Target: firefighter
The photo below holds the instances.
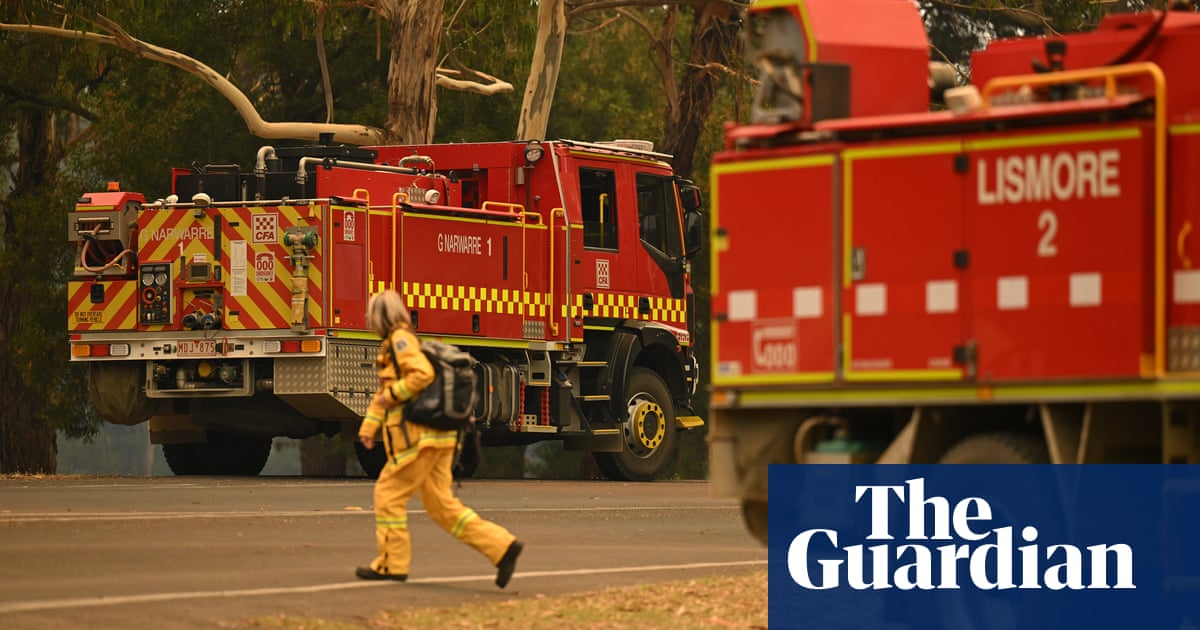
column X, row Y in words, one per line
column 419, row 458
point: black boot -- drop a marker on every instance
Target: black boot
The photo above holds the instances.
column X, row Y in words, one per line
column 367, row 573
column 508, row 563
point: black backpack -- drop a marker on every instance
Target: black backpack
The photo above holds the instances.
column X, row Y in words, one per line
column 448, row 403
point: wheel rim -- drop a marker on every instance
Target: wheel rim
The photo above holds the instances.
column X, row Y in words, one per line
column 646, row 426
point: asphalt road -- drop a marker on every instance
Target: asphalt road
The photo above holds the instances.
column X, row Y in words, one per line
column 201, row 552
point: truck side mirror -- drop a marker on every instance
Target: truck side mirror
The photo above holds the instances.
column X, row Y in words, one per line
column 693, row 232
column 690, row 197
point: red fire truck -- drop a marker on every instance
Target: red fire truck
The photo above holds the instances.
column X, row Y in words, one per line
column 1012, row 277
column 233, row 310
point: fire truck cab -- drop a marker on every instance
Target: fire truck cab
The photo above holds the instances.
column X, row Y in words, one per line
column 233, row 310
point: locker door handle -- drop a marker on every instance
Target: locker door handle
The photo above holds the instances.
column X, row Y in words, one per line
column 1181, row 244
column 858, row 264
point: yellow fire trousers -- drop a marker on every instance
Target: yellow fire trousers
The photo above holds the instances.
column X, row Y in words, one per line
column 422, row 463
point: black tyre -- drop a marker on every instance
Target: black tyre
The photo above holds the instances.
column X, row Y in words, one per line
column 987, row 610
column 371, row 460
column 222, row 454
column 183, row 459
column 470, row 455
column 997, row 448
column 754, row 515
column 240, row 432
column 234, row 454
column 648, row 429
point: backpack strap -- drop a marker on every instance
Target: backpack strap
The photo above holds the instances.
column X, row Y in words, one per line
column 403, row 420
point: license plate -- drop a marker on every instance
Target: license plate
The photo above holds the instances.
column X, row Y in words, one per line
column 197, row 347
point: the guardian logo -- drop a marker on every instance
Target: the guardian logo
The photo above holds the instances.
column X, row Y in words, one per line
column 919, row 542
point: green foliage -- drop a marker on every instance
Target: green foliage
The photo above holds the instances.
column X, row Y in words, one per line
column 608, row 87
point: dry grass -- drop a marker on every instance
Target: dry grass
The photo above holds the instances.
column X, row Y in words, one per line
column 709, row 603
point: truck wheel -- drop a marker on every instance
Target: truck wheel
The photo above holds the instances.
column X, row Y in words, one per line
column 649, row 430
column 468, row 458
column 234, row 454
column 371, row 460
column 182, row 459
column 984, row 610
column 997, row 448
column 754, row 515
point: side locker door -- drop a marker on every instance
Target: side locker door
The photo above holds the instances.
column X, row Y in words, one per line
column 1060, row 226
column 903, row 271
column 347, row 284
column 774, row 271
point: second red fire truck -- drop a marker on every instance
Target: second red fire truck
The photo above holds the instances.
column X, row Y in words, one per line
column 1009, row 278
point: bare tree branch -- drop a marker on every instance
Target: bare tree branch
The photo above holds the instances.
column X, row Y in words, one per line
column 599, row 27
column 490, row 84
column 350, row 134
column 449, row 78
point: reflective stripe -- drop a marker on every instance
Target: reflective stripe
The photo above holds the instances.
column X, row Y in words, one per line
column 400, row 393
column 466, row 517
column 536, row 304
column 392, row 523
column 431, row 439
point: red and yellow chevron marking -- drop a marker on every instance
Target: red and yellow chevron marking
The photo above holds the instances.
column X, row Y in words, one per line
column 478, row 299
column 117, row 312
column 257, row 289
column 625, row 306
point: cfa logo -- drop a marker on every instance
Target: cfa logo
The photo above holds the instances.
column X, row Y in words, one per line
column 957, row 547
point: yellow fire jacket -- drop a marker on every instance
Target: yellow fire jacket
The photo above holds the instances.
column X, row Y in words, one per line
column 401, row 349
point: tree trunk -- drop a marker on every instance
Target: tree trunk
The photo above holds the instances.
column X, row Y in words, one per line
column 416, row 34
column 543, row 70
column 714, row 42
column 27, row 442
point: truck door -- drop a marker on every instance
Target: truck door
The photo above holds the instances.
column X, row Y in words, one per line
column 660, row 256
column 601, row 277
column 903, row 271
